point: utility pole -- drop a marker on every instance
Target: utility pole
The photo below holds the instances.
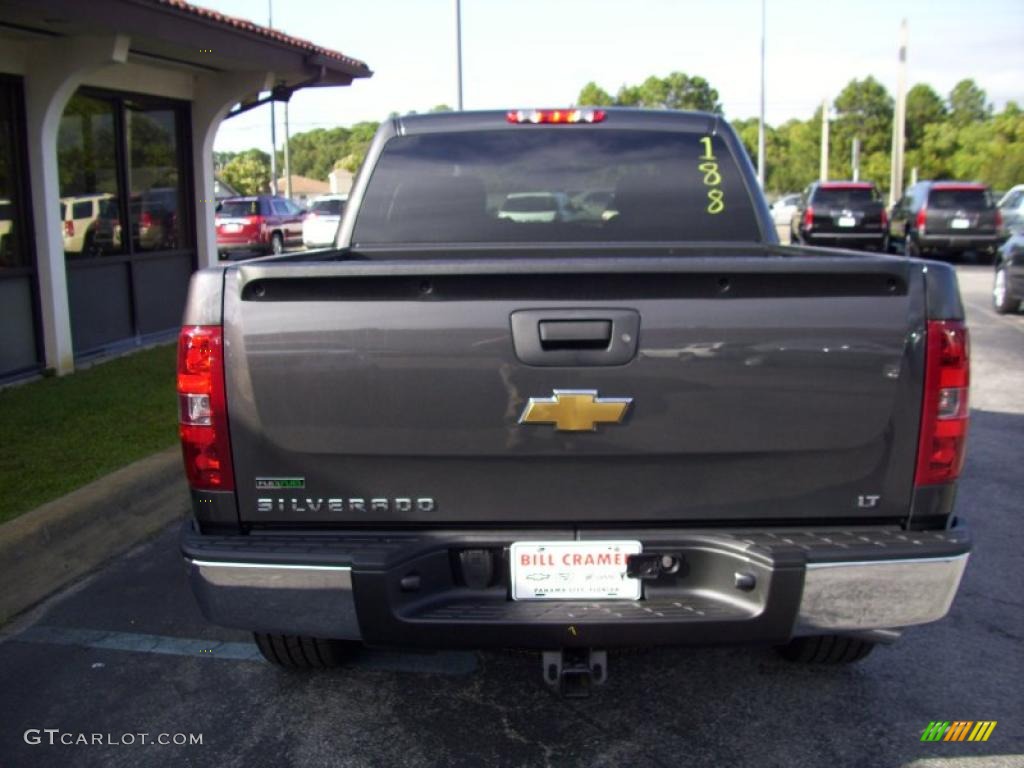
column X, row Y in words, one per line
column 824, row 140
column 760, row 125
column 287, row 158
column 273, row 116
column 458, row 52
column 899, row 122
column 855, row 158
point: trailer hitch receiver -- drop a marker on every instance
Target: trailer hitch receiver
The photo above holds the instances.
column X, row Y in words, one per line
column 573, row 672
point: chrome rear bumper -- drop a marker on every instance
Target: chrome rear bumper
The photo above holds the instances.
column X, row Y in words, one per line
column 878, row 594
column 313, row 600
column 801, row 590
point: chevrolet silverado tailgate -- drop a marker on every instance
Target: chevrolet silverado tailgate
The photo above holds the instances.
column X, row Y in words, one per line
column 761, row 385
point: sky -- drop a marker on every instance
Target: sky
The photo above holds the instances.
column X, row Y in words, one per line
column 538, row 53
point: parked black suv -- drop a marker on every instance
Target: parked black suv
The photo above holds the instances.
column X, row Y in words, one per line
column 847, row 214
column 947, row 218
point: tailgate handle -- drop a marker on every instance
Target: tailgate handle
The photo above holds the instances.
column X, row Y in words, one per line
column 575, row 334
column 585, row 336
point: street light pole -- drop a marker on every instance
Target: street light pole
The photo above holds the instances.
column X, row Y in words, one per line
column 760, row 126
column 824, row 140
column 273, row 117
column 458, row 51
column 287, row 158
column 899, row 122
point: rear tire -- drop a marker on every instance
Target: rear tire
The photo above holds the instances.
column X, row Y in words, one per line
column 276, row 243
column 300, row 652
column 1002, row 300
column 826, row 649
column 911, row 249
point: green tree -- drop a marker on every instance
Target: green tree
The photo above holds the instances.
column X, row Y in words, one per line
column 794, row 161
column 220, row 159
column 248, row 172
column 967, row 103
column 593, row 95
column 864, row 111
column 314, row 153
column 676, row 91
column 924, row 107
column 358, row 145
column 441, row 108
column 934, row 158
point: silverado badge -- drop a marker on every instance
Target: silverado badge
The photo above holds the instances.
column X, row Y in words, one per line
column 575, row 410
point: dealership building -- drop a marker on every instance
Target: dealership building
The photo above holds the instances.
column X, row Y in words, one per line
column 108, row 114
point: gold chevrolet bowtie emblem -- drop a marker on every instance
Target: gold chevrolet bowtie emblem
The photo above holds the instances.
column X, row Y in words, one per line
column 575, row 410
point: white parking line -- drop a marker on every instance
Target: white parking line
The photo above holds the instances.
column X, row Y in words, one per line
column 455, row 663
column 140, row 643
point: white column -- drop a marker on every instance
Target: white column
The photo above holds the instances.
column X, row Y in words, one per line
column 215, row 95
column 55, row 70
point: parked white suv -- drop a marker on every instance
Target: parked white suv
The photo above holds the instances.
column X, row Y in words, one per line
column 320, row 226
column 79, row 214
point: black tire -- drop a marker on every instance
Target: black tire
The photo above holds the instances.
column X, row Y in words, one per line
column 277, row 243
column 910, row 249
column 886, row 245
column 300, row 652
column 826, row 649
column 1003, row 301
column 89, row 248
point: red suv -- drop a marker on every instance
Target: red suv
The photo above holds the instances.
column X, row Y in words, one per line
column 259, row 223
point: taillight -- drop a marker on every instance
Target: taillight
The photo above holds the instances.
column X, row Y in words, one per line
column 251, row 221
column 556, row 116
column 922, row 217
column 809, row 217
column 940, row 453
column 145, row 219
column 885, row 219
column 203, row 418
column 999, row 219
column 69, row 229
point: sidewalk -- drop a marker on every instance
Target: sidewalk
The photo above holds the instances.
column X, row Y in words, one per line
column 62, row 540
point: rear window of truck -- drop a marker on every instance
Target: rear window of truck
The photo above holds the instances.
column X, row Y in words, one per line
column 458, row 187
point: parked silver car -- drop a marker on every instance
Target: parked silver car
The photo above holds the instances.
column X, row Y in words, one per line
column 1011, row 206
column 783, row 208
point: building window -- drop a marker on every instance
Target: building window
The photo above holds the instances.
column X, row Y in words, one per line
column 129, row 240
column 87, row 159
column 155, row 177
column 19, row 343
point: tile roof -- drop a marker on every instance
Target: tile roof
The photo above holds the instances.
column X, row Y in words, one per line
column 356, row 67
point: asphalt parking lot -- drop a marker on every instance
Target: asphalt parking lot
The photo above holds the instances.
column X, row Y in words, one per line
column 126, row 652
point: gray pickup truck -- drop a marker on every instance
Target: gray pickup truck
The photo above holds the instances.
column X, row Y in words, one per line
column 632, row 420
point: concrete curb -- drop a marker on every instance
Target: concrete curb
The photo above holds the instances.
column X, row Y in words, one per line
column 51, row 546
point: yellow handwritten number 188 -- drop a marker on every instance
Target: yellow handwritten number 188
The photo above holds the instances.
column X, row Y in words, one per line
column 712, row 178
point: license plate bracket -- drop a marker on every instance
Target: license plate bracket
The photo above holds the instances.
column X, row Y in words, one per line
column 573, row 570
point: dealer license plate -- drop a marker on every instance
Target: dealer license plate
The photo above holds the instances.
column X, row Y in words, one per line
column 961, row 224
column 232, row 227
column 573, row 570
column 847, row 221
